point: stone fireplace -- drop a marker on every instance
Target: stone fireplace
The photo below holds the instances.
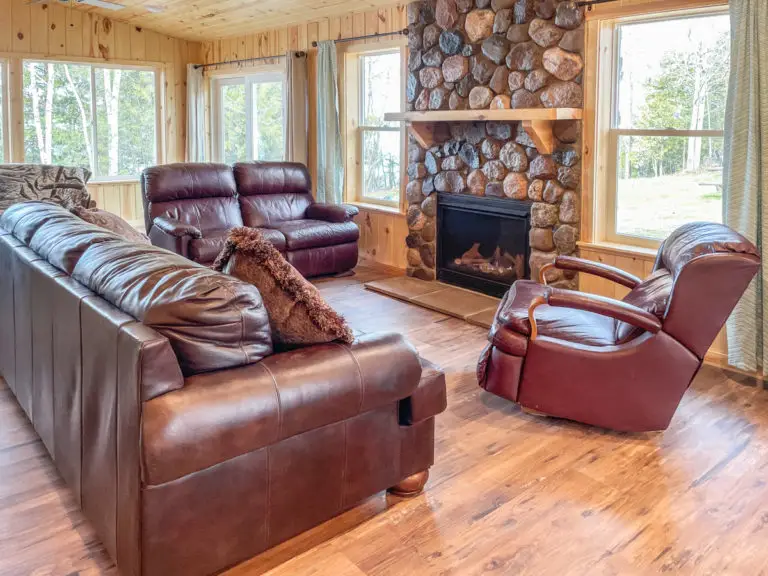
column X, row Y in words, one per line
column 493, row 55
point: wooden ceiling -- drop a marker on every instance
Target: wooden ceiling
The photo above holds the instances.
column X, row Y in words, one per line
column 212, row 19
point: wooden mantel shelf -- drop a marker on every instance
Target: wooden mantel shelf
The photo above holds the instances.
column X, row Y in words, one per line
column 537, row 122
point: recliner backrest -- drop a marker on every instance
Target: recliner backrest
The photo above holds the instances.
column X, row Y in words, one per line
column 711, row 267
column 272, row 192
column 203, row 195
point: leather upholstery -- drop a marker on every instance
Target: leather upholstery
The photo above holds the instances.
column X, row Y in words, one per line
column 162, row 465
column 620, row 364
column 301, row 234
column 198, row 204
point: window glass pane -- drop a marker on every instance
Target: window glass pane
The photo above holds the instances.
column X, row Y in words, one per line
column 268, row 128
column 674, row 73
column 664, row 182
column 126, row 121
column 381, row 88
column 381, row 165
column 57, row 114
column 233, row 120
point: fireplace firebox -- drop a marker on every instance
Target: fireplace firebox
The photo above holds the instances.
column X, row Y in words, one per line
column 482, row 243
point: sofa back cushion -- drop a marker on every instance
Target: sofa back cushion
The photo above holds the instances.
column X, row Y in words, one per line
column 203, row 195
column 272, row 192
column 212, row 321
column 652, row 295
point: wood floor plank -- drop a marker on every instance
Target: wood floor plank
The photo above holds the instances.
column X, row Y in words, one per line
column 510, row 493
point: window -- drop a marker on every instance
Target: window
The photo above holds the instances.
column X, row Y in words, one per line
column 380, row 142
column 250, row 114
column 664, row 149
column 103, row 118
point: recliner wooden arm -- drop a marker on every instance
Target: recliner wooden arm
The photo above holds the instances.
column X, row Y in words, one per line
column 589, row 267
column 597, row 304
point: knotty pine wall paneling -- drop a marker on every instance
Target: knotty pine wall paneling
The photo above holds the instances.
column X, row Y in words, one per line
column 382, row 233
column 54, row 31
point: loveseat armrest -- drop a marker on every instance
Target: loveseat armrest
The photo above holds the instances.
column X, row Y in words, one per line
column 590, row 267
column 176, row 228
column 332, row 212
column 598, row 305
column 221, row 415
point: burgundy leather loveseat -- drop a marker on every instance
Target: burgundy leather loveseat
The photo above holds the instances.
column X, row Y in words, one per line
column 190, row 208
column 620, row 364
column 188, row 442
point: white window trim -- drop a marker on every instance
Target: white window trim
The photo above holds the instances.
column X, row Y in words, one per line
column 608, row 132
column 264, row 74
column 159, row 98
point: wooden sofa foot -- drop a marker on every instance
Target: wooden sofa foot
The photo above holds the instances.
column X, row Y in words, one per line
column 411, row 486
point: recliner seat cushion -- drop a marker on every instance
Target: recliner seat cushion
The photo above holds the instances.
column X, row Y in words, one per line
column 300, row 234
column 205, row 250
column 555, row 322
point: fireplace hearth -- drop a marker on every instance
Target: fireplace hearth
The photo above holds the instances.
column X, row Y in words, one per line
column 482, row 243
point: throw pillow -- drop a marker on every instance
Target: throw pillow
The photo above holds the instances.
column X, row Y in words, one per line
column 111, row 222
column 298, row 314
column 62, row 185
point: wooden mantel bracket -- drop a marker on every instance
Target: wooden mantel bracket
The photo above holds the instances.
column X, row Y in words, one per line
column 540, row 131
column 427, row 134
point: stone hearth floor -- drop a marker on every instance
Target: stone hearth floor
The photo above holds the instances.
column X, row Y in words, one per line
column 469, row 306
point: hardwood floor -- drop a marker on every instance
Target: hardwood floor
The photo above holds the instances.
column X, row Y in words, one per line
column 509, row 493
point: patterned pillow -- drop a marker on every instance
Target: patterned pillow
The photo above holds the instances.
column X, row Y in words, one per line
column 298, row 314
column 62, row 185
column 111, row 222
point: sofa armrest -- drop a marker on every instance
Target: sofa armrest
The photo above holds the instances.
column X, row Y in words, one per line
column 590, row 267
column 332, row 212
column 176, row 228
column 221, row 415
column 597, row 304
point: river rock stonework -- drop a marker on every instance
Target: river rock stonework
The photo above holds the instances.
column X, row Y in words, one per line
column 488, row 55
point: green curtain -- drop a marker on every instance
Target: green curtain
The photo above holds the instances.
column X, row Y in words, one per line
column 330, row 164
column 746, row 172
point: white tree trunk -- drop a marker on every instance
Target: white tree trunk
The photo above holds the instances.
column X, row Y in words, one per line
column 49, row 87
column 693, row 156
column 43, row 132
column 83, row 115
column 111, row 99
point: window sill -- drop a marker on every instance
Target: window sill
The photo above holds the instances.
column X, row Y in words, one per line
column 619, row 249
column 111, row 182
column 377, row 208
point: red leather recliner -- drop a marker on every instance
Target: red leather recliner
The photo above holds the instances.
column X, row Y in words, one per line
column 190, row 209
column 626, row 364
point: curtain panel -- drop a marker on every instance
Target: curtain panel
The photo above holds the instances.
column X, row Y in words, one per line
column 745, row 176
column 330, row 166
column 195, row 114
column 296, row 139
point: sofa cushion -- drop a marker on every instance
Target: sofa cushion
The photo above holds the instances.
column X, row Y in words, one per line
column 555, row 322
column 205, row 250
column 300, row 234
column 297, row 312
column 272, row 192
column 652, row 295
column 212, row 216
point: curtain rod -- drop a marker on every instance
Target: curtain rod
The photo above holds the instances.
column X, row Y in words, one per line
column 404, row 32
column 259, row 59
column 590, row 3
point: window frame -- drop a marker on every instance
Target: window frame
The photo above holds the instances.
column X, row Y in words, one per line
column 159, row 80
column 5, row 98
column 264, row 74
column 608, row 129
column 353, row 91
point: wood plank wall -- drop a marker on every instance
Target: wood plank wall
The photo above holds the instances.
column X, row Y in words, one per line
column 382, row 233
column 56, row 31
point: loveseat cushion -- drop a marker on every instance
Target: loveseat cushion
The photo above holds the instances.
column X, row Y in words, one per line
column 555, row 322
column 300, row 234
column 205, row 250
column 272, row 192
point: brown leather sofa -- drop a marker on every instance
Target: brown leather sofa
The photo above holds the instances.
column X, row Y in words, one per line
column 624, row 364
column 188, row 443
column 190, row 208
